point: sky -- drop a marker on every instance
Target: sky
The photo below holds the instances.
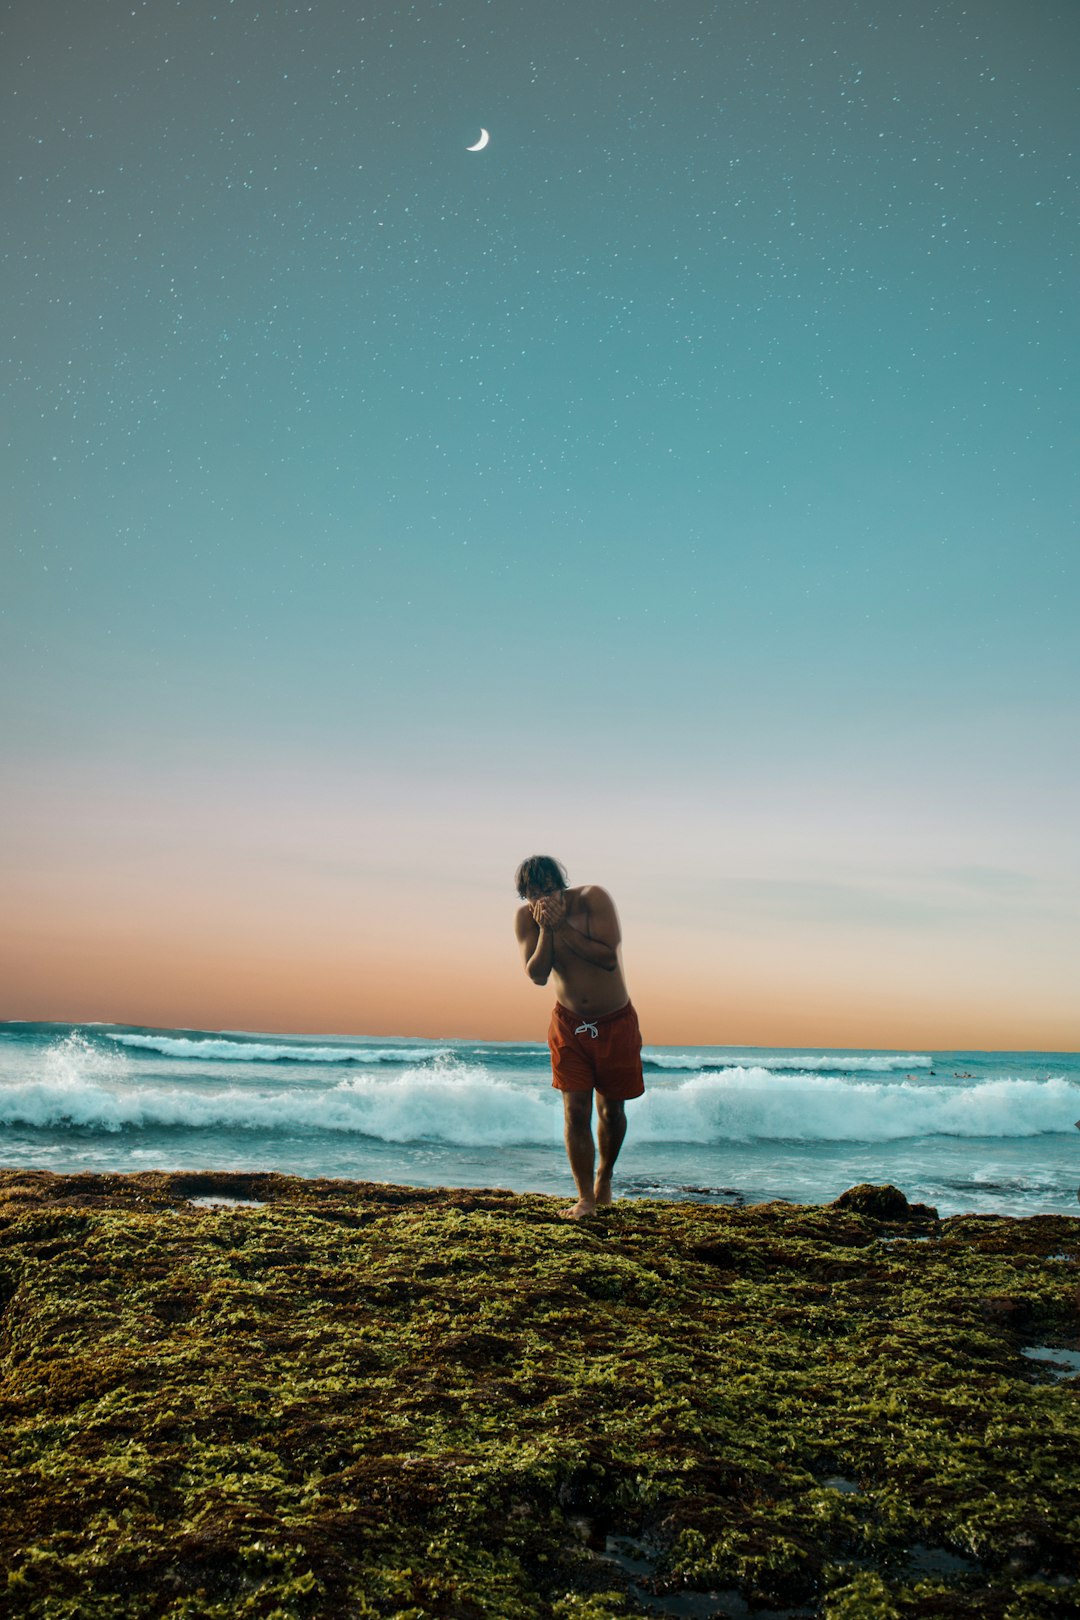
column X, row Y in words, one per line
column 684, row 485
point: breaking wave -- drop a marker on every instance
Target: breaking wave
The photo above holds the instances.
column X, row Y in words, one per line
column 469, row 1105
column 211, row 1049
column 218, row 1048
column 797, row 1063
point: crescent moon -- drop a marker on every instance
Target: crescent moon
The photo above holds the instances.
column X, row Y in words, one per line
column 481, row 143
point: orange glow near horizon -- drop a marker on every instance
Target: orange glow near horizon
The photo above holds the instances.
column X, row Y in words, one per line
column 137, row 975
column 179, row 901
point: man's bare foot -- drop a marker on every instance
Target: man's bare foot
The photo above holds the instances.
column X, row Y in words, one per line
column 578, row 1211
column 602, row 1190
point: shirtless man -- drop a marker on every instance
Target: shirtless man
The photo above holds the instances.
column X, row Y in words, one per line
column 594, row 1037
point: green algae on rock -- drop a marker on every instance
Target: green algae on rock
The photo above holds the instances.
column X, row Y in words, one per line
column 341, row 1399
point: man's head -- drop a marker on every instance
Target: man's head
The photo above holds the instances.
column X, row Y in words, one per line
column 540, row 875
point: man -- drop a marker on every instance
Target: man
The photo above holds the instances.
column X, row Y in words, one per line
column 594, row 1037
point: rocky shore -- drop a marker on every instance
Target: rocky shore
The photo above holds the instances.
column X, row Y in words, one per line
column 331, row 1398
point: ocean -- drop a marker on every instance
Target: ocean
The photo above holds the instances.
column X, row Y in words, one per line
column 967, row 1131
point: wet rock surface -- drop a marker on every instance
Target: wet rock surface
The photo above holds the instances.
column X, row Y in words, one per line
column 250, row 1395
column 886, row 1203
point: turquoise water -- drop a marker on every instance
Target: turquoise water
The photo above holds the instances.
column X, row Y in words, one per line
column 991, row 1131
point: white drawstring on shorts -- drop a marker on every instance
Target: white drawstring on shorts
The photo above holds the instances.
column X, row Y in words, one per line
column 589, row 1029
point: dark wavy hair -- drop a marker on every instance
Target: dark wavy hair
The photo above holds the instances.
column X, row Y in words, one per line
column 541, row 872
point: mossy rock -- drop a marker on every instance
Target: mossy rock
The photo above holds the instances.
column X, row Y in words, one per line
column 885, row 1203
column 342, row 1399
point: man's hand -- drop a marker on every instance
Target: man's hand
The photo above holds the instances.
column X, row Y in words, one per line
column 549, row 910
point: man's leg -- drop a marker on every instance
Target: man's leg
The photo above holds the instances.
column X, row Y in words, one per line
column 580, row 1150
column 611, row 1130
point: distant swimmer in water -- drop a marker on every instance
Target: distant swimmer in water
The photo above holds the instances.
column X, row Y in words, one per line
column 593, row 1037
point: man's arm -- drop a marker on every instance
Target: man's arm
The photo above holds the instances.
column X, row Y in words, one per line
column 537, row 943
column 600, row 946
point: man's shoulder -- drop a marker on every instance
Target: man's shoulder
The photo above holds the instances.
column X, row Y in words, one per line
column 595, row 898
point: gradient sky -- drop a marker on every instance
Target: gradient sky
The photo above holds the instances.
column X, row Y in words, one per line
column 685, row 485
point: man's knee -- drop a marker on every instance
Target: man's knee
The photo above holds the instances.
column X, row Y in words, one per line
column 610, row 1109
column 577, row 1107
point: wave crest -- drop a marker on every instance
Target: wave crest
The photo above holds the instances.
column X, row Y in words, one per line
column 795, row 1063
column 208, row 1049
column 465, row 1105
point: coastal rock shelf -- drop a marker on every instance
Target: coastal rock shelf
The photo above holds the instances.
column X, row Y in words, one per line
column 232, row 1395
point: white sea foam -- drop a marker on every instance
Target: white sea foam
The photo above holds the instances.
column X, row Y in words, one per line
column 756, row 1104
column 221, row 1050
column 462, row 1106
column 74, row 1060
column 466, row 1105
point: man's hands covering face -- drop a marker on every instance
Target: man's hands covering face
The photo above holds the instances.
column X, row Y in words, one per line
column 550, row 909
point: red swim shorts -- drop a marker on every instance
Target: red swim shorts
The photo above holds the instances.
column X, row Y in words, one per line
column 603, row 1052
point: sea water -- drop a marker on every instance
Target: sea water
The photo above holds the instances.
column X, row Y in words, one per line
column 987, row 1131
